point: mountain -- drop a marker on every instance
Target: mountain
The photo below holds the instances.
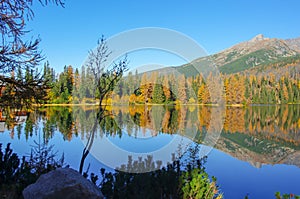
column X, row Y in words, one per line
column 255, row 53
column 294, row 44
column 258, row 151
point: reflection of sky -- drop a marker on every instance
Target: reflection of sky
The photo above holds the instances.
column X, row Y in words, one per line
column 141, row 144
column 114, row 152
column 235, row 177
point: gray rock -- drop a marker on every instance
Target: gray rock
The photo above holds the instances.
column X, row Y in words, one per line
column 63, row 183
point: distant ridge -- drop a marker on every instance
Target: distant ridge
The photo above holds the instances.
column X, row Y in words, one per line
column 256, row 53
column 294, row 44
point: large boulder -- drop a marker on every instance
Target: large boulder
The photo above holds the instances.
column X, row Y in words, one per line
column 62, row 183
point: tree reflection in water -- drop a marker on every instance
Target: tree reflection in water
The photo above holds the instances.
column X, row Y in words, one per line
column 259, row 135
column 248, row 131
column 148, row 178
column 184, row 178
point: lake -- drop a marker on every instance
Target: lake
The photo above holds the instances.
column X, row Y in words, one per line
column 251, row 151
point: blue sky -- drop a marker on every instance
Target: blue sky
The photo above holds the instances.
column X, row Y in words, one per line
column 68, row 33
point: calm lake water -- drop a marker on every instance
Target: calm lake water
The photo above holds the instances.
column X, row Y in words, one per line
column 254, row 150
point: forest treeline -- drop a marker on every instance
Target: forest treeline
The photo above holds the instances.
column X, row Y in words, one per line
column 273, row 85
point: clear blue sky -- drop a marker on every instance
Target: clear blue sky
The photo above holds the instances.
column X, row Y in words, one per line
column 68, row 33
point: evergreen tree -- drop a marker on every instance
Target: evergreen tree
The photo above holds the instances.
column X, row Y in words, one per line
column 28, row 74
column 166, row 88
column 130, row 83
column 19, row 74
column 144, row 88
column 158, row 93
column 82, row 86
column 182, row 90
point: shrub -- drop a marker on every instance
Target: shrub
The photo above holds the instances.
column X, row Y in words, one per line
column 15, row 175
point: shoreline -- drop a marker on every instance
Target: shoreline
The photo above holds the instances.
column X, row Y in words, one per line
column 152, row 104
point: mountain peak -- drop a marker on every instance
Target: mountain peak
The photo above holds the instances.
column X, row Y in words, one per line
column 258, row 37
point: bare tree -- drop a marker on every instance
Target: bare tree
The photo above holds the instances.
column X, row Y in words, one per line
column 105, row 79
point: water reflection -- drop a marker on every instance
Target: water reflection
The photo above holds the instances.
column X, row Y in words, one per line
column 258, row 134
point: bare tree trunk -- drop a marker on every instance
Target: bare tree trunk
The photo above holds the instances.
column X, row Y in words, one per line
column 88, row 145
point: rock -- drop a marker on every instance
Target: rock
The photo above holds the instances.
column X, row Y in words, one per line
column 258, row 37
column 62, row 183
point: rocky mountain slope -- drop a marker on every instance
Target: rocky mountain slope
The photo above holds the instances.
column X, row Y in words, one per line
column 294, row 44
column 257, row 52
column 258, row 150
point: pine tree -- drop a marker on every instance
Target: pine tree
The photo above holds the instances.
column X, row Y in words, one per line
column 247, row 90
column 227, row 88
column 201, row 94
column 158, row 93
column 19, row 74
column 28, row 74
column 206, row 95
column 182, row 90
column 82, row 85
column 144, row 88
column 130, row 83
column 284, row 94
column 166, row 88
column 240, row 89
column 69, row 79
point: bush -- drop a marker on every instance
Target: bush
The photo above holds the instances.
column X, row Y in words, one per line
column 16, row 175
